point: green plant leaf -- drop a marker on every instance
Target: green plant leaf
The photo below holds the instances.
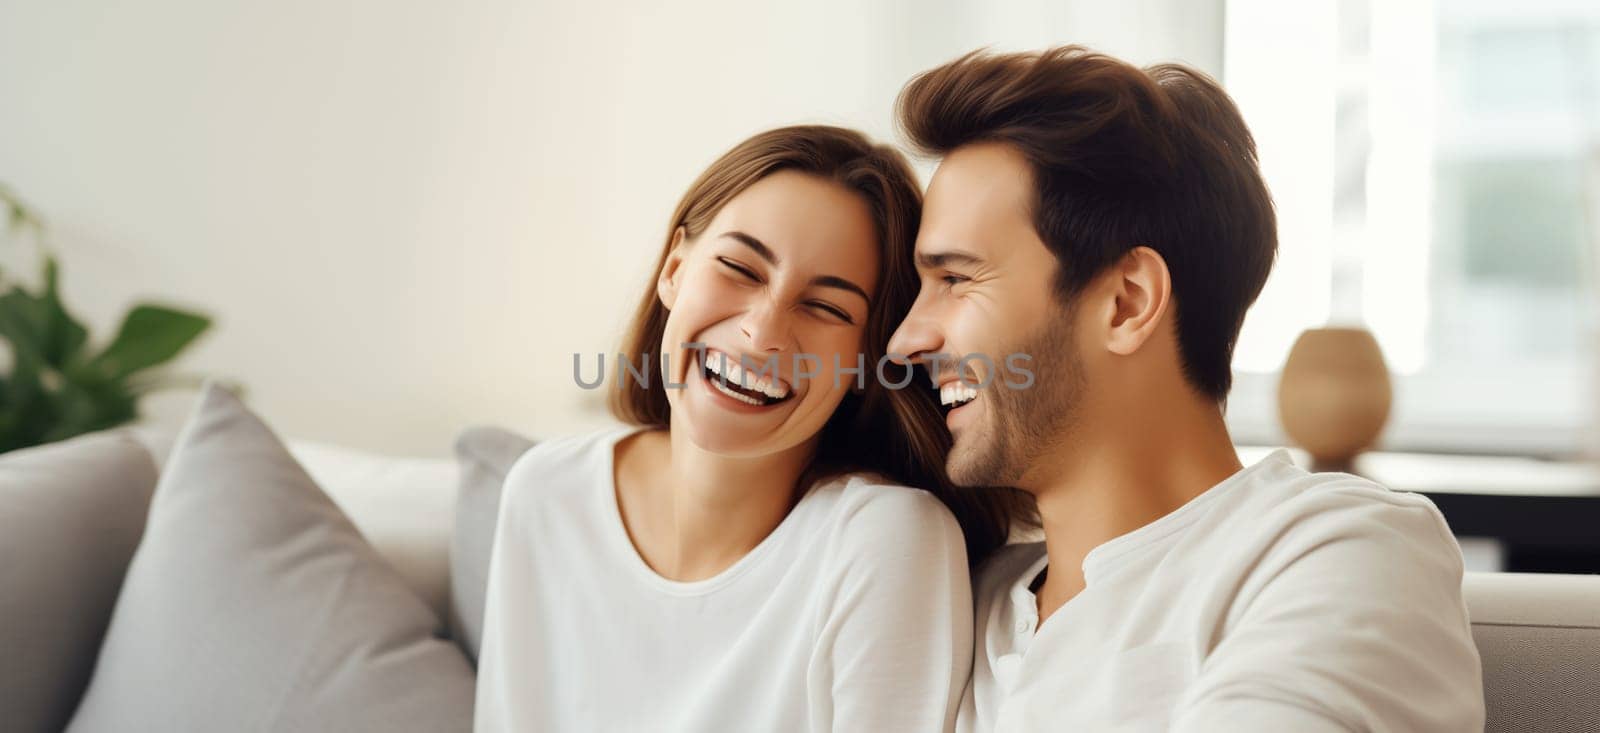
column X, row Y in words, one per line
column 26, row 411
column 25, row 322
column 150, row 335
column 55, row 390
column 63, row 334
column 19, row 218
column 83, row 407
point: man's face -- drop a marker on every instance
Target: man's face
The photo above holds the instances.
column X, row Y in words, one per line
column 987, row 282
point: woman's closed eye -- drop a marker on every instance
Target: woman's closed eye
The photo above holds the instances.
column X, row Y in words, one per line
column 739, row 269
column 951, row 280
column 832, row 310
column 825, row 308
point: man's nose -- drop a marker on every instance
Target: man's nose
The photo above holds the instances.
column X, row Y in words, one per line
column 916, row 338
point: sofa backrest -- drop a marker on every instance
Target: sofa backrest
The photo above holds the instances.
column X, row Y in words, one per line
column 1538, row 634
column 1539, row 638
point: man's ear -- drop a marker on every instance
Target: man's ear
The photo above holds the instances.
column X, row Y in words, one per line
column 1140, row 294
column 671, row 270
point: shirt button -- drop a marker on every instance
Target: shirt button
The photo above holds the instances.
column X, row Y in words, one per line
column 1024, row 626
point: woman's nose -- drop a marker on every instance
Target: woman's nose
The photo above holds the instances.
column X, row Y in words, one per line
column 766, row 325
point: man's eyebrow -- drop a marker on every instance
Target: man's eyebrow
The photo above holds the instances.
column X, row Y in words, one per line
column 930, row 260
column 761, row 250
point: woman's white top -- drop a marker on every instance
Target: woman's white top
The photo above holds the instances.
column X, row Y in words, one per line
column 855, row 613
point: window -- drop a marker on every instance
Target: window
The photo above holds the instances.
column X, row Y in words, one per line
column 1436, row 167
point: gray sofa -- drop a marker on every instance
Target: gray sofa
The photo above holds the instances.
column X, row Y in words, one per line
column 73, row 514
column 1539, row 637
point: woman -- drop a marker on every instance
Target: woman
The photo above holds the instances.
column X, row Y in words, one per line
column 748, row 557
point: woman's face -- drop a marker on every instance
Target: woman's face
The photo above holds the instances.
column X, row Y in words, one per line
column 786, row 269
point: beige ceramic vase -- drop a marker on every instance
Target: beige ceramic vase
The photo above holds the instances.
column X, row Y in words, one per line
column 1334, row 395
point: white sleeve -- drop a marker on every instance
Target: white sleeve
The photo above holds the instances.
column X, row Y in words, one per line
column 495, row 706
column 895, row 648
column 1353, row 621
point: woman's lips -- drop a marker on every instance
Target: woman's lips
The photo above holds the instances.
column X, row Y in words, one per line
column 722, row 389
column 758, row 376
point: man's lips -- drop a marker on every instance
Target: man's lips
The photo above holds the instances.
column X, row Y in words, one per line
column 955, row 391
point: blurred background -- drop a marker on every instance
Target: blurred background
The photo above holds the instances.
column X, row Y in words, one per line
column 405, row 218
column 1435, row 169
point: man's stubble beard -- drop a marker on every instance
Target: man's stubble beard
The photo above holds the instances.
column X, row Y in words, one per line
column 1021, row 424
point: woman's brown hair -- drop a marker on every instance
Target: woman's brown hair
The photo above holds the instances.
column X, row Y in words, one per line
column 898, row 433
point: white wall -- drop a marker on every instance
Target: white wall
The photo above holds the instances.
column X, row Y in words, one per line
column 407, row 217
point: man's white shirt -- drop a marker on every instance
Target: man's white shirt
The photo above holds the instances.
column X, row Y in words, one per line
column 1277, row 600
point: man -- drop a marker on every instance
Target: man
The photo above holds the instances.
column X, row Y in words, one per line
column 1111, row 223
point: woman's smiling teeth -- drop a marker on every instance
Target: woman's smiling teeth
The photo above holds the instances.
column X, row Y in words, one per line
column 728, row 377
column 957, row 393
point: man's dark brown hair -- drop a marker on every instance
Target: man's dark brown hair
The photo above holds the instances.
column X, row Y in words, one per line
column 1121, row 157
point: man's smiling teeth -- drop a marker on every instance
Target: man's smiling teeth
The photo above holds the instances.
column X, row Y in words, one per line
column 957, row 393
column 728, row 368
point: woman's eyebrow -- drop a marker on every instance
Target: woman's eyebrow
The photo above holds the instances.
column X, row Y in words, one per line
column 834, row 281
column 761, row 250
column 766, row 253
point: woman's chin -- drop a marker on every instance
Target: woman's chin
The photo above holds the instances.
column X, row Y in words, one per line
column 718, row 436
column 734, row 430
column 717, row 429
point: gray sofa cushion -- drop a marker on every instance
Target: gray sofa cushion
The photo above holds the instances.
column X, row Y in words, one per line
column 485, row 455
column 253, row 603
column 1539, row 637
column 404, row 506
column 71, row 518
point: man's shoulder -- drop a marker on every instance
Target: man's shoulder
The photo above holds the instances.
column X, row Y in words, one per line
column 1289, row 500
column 1288, row 522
